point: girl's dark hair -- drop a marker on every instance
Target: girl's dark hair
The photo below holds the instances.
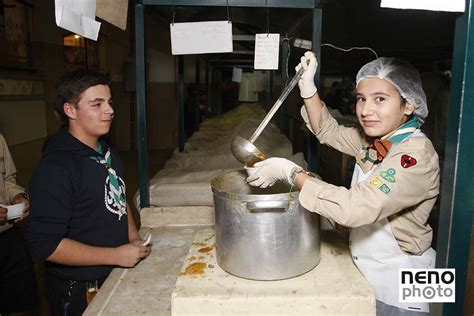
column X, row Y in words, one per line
column 72, row 84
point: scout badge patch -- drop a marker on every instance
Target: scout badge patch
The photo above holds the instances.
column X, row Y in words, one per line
column 389, row 175
column 407, row 161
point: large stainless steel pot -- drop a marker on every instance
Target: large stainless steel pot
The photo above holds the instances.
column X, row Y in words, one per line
column 263, row 234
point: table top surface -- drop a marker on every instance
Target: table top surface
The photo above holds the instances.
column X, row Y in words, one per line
column 148, row 287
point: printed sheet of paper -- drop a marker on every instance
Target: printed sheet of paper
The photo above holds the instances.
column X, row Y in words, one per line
column 432, row 5
column 267, row 48
column 201, row 37
column 77, row 17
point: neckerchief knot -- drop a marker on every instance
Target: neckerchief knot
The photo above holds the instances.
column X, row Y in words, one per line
column 379, row 148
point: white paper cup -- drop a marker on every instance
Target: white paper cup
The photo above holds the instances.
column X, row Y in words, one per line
column 15, row 211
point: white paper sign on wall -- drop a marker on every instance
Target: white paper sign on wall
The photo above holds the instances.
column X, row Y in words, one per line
column 267, row 48
column 201, row 37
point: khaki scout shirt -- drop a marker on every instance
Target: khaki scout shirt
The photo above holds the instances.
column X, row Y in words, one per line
column 8, row 186
column 406, row 199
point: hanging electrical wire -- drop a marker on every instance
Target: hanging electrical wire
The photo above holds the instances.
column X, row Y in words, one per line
column 174, row 12
column 268, row 18
column 228, row 11
column 350, row 49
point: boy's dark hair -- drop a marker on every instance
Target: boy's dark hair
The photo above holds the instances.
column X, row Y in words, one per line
column 72, row 84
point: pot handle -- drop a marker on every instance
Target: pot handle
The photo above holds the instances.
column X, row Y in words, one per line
column 266, row 206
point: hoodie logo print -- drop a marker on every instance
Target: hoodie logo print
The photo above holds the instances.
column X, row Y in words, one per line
column 115, row 206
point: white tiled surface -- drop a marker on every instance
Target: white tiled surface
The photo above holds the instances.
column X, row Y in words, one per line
column 334, row 287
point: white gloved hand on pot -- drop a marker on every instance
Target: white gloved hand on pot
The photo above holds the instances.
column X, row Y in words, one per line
column 271, row 170
column 306, row 82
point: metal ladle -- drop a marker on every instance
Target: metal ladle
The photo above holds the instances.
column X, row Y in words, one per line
column 244, row 150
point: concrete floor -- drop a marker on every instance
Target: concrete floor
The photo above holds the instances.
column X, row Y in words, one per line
column 27, row 156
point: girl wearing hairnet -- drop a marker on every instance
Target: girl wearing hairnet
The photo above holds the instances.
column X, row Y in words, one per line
column 395, row 182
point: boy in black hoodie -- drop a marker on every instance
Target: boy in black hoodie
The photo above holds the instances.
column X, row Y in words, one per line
column 79, row 220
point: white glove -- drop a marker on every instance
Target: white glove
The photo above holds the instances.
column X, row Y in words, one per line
column 271, row 170
column 306, row 82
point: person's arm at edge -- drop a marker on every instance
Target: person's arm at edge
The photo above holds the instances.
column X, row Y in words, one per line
column 313, row 107
column 12, row 189
column 300, row 179
column 74, row 253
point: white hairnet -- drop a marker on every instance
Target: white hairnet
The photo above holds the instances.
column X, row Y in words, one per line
column 403, row 76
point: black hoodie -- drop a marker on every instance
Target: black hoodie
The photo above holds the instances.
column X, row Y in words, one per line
column 69, row 196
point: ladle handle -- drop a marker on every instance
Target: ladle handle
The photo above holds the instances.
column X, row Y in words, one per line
column 277, row 105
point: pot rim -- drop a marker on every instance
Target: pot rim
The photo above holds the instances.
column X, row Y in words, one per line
column 225, row 194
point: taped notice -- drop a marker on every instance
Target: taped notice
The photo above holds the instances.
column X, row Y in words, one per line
column 267, row 48
column 201, row 37
column 432, row 5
